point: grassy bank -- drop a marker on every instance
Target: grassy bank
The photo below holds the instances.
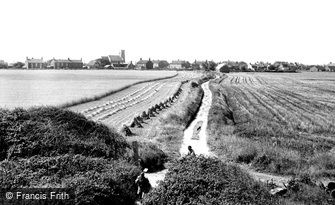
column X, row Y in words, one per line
column 170, row 133
column 98, row 97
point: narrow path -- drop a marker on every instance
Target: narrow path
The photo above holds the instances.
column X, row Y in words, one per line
column 195, row 135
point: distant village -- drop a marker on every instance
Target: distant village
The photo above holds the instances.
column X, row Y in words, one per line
column 118, row 62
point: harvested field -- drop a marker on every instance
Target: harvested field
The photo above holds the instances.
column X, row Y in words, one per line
column 122, row 107
column 281, row 123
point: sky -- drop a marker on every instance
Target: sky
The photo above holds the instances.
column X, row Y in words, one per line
column 249, row 30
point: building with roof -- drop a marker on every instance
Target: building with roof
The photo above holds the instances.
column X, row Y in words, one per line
column 66, row 64
column 144, row 64
column 160, row 64
column 141, row 64
column 118, row 59
column 155, row 63
column 3, row 64
column 32, row 63
column 313, row 69
column 331, row 66
column 178, row 64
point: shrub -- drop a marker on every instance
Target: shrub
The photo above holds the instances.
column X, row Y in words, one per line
column 50, row 131
column 95, row 180
column 194, row 84
column 304, row 190
column 153, row 157
column 200, row 180
column 247, row 155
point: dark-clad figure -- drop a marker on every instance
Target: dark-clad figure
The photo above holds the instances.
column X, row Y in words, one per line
column 141, row 164
column 190, row 151
column 143, row 185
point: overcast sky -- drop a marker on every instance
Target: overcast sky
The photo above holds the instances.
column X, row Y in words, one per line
column 249, row 30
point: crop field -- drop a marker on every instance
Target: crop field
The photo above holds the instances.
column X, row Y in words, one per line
column 121, row 107
column 282, row 123
column 27, row 88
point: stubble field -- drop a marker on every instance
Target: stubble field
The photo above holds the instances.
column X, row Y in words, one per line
column 122, row 107
column 281, row 123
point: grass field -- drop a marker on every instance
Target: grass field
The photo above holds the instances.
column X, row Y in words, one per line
column 26, row 88
column 281, row 123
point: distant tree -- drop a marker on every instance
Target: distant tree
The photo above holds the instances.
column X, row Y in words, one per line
column 243, row 66
column 163, row 64
column 18, row 65
column 209, row 65
column 149, row 65
column 225, row 69
column 101, row 63
column 195, row 66
column 186, row 65
column 3, row 65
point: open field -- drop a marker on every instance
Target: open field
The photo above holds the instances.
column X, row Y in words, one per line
column 121, row 107
column 26, row 88
column 280, row 123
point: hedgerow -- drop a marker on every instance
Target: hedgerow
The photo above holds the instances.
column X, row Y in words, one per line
column 50, row 131
column 200, row 180
column 94, row 180
column 153, row 157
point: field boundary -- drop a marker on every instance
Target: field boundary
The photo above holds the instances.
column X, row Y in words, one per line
column 111, row 92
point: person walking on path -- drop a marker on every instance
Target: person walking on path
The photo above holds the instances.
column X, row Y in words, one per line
column 190, row 151
column 143, row 184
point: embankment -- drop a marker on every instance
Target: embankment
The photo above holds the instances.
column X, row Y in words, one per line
column 170, row 133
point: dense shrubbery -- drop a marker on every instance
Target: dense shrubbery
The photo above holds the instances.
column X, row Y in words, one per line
column 153, row 157
column 304, row 190
column 56, row 148
column 95, row 180
column 49, row 131
column 200, row 180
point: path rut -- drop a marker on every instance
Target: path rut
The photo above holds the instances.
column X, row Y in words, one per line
column 195, row 135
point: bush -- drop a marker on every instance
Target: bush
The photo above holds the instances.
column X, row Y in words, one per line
column 153, row 157
column 304, row 190
column 95, row 180
column 50, row 131
column 200, row 180
column 194, row 84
